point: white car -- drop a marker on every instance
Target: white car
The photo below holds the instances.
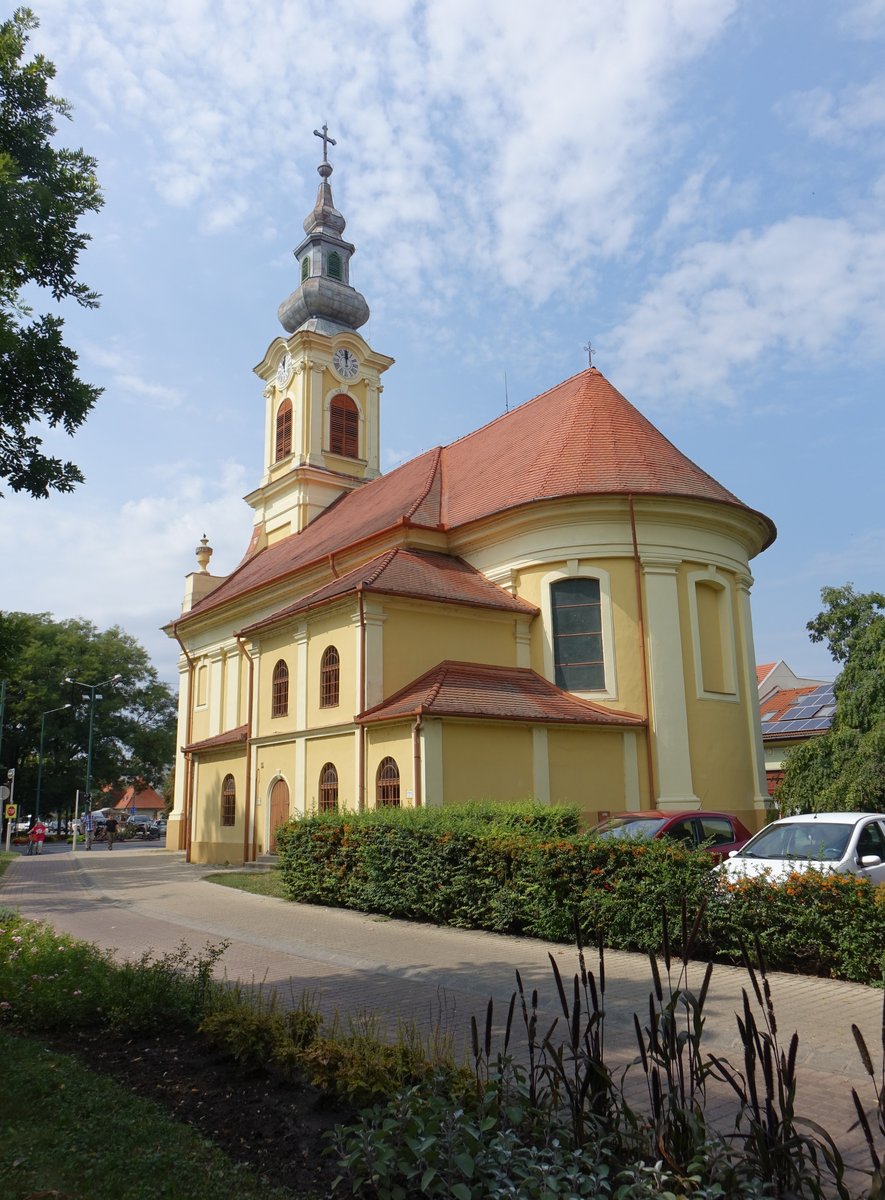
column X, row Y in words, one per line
column 852, row 843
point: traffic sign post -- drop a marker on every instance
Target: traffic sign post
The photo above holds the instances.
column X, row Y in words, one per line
column 10, row 811
column 11, row 807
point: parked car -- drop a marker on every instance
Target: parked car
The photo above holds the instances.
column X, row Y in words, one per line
column 140, row 826
column 719, row 832
column 852, row 843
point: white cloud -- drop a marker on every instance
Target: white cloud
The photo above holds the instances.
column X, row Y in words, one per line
column 212, row 92
column 804, row 285
column 138, row 551
column 838, row 117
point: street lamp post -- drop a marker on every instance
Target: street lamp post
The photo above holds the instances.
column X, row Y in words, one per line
column 48, row 713
column 91, row 688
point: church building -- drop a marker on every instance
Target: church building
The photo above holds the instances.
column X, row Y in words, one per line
column 555, row 607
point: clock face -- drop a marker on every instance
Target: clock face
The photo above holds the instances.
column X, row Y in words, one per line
column 345, row 363
column 284, row 369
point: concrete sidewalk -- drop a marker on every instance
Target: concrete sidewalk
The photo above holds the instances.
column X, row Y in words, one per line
column 150, row 898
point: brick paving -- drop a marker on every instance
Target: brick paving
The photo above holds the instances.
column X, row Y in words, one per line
column 144, row 897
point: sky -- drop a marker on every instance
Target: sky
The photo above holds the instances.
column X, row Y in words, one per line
column 695, row 187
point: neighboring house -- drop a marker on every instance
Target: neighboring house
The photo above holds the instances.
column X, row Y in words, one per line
column 555, row 606
column 791, row 713
column 778, row 677
column 144, row 803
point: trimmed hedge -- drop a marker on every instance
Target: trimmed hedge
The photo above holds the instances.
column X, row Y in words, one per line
column 520, row 870
column 524, row 870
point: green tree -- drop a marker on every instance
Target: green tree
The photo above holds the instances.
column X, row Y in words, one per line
column 43, row 193
column 844, row 769
column 134, row 721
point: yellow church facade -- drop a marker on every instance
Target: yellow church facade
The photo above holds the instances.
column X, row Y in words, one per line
column 556, row 606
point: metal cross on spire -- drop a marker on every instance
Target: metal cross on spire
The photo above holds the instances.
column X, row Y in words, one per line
column 590, row 353
column 327, row 141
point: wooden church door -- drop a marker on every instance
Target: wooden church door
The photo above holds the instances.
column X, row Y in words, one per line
column 279, row 810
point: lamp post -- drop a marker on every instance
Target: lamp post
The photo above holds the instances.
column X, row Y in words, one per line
column 91, row 688
column 48, row 713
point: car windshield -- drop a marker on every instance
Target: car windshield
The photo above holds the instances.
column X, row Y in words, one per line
column 619, row 827
column 813, row 840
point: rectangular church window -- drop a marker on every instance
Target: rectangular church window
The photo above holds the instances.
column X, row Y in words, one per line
column 577, row 635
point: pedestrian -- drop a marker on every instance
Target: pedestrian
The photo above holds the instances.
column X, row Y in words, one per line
column 88, row 828
column 110, row 827
column 37, row 837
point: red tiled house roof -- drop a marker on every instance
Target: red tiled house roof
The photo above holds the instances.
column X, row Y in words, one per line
column 463, row 689
column 775, row 707
column 417, row 574
column 580, row 438
column 763, row 670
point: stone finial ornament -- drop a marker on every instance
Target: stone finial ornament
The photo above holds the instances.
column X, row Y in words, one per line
column 204, row 553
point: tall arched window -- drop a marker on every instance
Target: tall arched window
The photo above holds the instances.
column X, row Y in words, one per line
column 284, row 431
column 279, row 704
column 328, row 788
column 333, row 265
column 387, row 783
column 344, row 427
column 577, row 635
column 228, row 801
column 329, row 678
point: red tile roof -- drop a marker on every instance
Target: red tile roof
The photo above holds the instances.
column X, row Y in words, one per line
column 146, row 798
column 230, row 737
column 763, row 670
column 417, row 574
column 774, row 707
column 581, row 438
column 462, row 689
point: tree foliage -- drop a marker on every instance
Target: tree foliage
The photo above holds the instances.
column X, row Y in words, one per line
column 44, row 192
column 844, row 769
column 134, row 718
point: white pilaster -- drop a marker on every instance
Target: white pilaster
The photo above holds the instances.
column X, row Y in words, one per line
column 432, row 789
column 299, row 641
column 669, row 716
column 540, row 765
column 747, row 667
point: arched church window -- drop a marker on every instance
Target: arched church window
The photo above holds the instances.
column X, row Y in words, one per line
column 577, row 635
column 344, row 427
column 387, row 783
column 279, row 705
column 329, row 678
column 328, row 788
column 284, row 431
column 333, row 265
column 228, row 801
column 305, row 268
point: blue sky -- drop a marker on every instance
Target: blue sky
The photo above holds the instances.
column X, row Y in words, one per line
column 695, row 186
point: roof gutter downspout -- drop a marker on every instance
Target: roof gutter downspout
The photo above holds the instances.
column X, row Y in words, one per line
column 643, row 653
column 361, row 757
column 248, row 814
column 188, row 759
column 416, row 760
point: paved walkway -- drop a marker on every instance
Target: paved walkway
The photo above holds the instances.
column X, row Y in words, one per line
column 141, row 897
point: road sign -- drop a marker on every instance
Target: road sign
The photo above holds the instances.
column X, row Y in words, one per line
column 5, row 793
column 11, row 810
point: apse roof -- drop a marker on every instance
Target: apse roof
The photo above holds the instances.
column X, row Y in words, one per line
column 581, row 438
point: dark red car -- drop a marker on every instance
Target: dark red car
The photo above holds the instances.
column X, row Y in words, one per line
column 719, row 832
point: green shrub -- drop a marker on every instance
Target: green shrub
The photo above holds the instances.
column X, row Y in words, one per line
column 813, row 922
column 257, row 1037
column 51, row 981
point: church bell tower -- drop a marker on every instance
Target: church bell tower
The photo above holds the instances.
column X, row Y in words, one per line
column 322, row 382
